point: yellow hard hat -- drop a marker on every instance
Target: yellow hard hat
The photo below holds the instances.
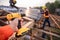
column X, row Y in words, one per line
column 14, row 1
column 13, row 15
column 43, row 7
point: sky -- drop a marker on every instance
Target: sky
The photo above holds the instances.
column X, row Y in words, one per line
column 27, row 3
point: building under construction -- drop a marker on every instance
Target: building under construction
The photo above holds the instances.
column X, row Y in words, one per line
column 31, row 26
column 17, row 23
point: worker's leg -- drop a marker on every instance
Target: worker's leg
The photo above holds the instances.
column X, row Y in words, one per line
column 43, row 35
column 11, row 4
column 48, row 23
column 15, row 6
column 44, row 24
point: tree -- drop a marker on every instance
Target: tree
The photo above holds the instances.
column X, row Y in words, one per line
column 37, row 7
column 51, row 7
column 57, row 4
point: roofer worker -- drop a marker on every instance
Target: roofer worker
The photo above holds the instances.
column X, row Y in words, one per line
column 46, row 15
column 7, row 30
column 12, row 3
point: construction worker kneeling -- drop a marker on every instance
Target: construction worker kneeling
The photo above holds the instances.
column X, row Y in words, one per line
column 7, row 30
column 46, row 15
column 18, row 21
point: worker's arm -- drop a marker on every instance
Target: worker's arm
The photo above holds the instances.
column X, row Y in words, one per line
column 7, row 30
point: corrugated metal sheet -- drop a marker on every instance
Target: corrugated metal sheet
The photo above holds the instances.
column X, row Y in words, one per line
column 34, row 13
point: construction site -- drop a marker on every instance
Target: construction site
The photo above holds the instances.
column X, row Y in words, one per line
column 28, row 24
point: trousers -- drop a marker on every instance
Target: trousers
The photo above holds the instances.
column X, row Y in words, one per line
column 46, row 21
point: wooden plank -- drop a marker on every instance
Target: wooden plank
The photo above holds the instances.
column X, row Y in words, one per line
column 2, row 23
column 53, row 34
column 54, row 21
column 2, row 16
column 56, row 18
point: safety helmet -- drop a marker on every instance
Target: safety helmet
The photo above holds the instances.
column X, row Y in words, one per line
column 44, row 7
column 14, row 1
